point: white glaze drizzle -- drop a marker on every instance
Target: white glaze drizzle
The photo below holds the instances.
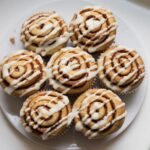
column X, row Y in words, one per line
column 59, row 84
column 125, row 78
column 68, row 119
column 104, row 122
column 16, row 83
column 92, row 24
column 58, row 107
column 44, row 47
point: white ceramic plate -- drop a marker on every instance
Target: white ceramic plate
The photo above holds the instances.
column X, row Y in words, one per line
column 71, row 140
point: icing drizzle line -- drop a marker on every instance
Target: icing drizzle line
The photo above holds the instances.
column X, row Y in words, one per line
column 91, row 71
column 45, row 47
column 103, row 123
column 94, row 23
column 16, row 83
column 128, row 64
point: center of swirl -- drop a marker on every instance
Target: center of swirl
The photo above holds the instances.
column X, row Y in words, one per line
column 17, row 70
column 97, row 110
column 122, row 65
column 43, row 112
column 70, row 66
column 95, row 116
column 93, row 24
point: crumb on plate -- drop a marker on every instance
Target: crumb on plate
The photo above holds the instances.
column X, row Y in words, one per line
column 12, row 40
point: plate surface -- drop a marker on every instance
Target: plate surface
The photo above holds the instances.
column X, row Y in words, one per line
column 71, row 140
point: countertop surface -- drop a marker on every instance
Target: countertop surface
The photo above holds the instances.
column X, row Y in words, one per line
column 137, row 136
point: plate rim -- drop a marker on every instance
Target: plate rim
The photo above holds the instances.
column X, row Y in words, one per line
column 146, row 75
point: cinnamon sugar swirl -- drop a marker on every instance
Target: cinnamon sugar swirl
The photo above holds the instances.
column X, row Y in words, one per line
column 44, row 33
column 98, row 113
column 22, row 73
column 121, row 69
column 46, row 114
column 71, row 70
column 93, row 29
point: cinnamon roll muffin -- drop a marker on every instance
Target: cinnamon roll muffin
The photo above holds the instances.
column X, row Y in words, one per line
column 98, row 113
column 71, row 70
column 22, row 73
column 121, row 69
column 44, row 33
column 46, row 114
column 93, row 29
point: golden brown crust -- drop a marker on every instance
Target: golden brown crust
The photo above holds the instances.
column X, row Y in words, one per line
column 22, row 73
column 44, row 33
column 93, row 29
column 46, row 113
column 100, row 113
column 121, row 69
column 71, row 70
